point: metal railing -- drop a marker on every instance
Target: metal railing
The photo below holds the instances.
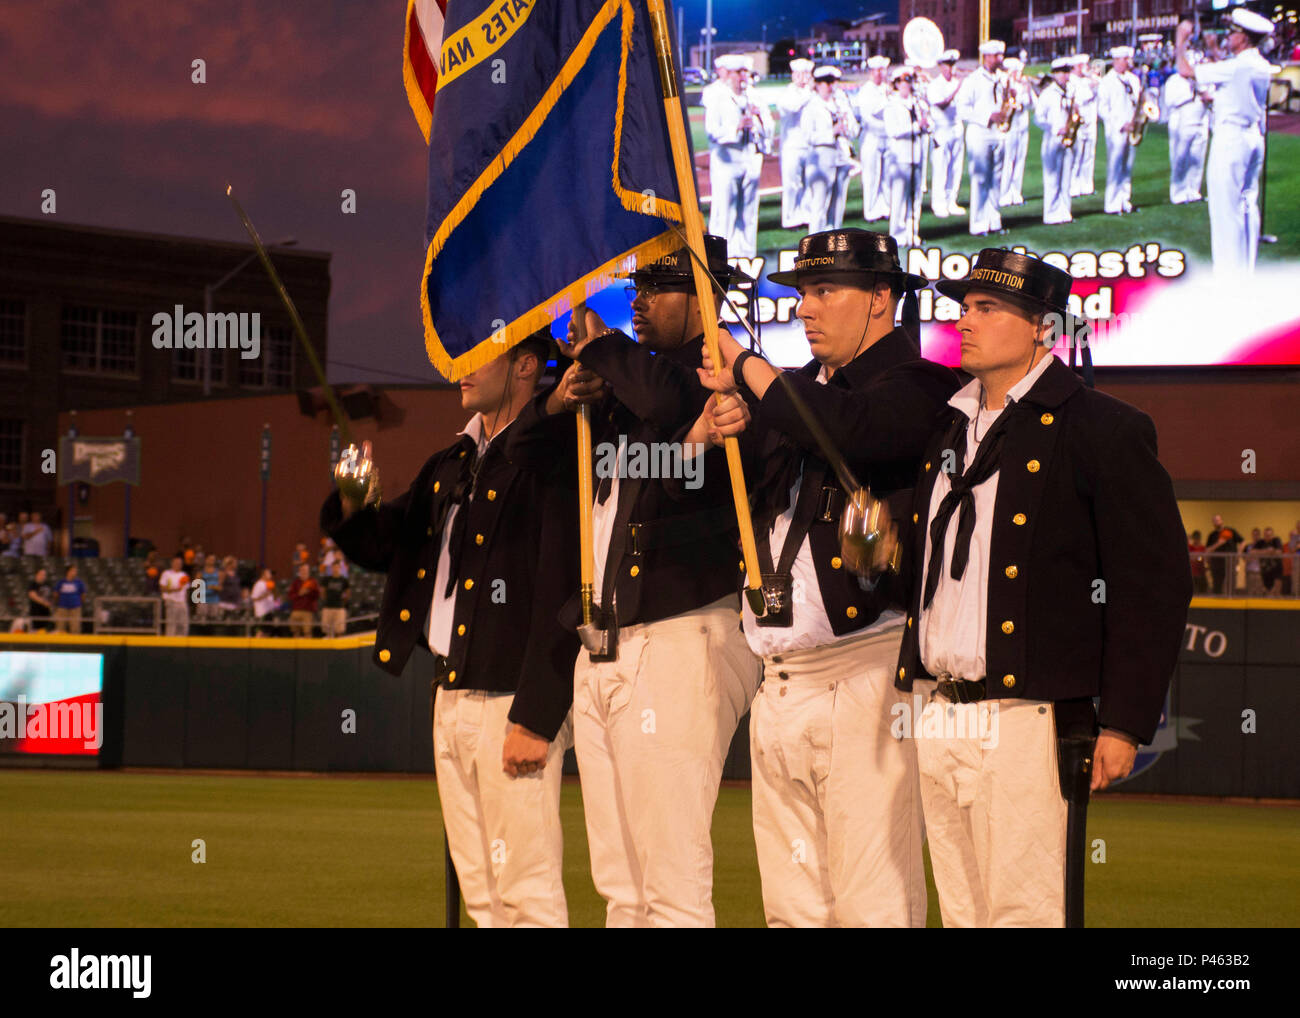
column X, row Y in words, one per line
column 1246, row 574
column 103, row 621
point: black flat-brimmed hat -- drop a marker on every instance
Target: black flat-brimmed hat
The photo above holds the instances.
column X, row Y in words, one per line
column 850, row 252
column 1020, row 277
column 676, row 267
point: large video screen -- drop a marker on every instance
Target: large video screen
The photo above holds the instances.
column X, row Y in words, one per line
column 1157, row 289
column 51, row 704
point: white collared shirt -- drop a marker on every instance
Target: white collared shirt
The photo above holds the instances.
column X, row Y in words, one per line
column 791, row 102
column 1243, row 88
column 1052, row 111
column 1118, row 97
column 1183, row 104
column 979, row 97
column 870, row 103
column 952, row 629
column 443, row 610
column 602, row 521
column 939, row 90
column 1084, row 93
column 811, row 625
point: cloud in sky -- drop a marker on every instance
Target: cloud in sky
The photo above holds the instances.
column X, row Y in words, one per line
column 302, row 100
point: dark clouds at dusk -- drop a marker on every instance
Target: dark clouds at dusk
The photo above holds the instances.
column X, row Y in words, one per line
column 302, row 100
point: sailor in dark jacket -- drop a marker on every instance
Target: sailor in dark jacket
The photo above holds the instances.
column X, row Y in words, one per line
column 653, row 725
column 476, row 544
column 1051, row 568
column 837, row 816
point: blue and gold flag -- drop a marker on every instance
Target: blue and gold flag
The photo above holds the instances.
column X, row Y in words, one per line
column 550, row 168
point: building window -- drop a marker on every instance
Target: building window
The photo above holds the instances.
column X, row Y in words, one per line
column 99, row 339
column 273, row 367
column 11, row 453
column 13, row 332
column 187, row 366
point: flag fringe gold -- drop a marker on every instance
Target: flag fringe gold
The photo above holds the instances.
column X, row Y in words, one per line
column 635, row 201
column 558, row 304
column 414, row 95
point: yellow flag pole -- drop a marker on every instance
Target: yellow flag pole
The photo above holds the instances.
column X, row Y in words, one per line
column 694, row 224
column 586, row 552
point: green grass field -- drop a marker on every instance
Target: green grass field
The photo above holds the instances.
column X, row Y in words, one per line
column 113, row 849
column 1186, row 227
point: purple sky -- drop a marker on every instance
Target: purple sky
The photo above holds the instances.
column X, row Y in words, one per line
column 302, row 100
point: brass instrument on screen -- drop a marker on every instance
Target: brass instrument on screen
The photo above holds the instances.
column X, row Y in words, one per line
column 923, row 45
column 1073, row 118
column 1010, row 102
column 1147, row 110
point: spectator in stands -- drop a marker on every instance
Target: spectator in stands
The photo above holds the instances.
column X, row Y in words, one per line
column 229, row 596
column 40, row 602
column 151, row 573
column 264, row 599
column 13, row 540
column 1223, row 542
column 211, row 577
column 186, row 551
column 1195, row 550
column 1254, row 586
column 304, row 594
column 1269, row 548
column 334, row 612
column 329, row 555
column 175, row 585
column 300, row 556
column 1291, row 564
column 36, row 537
column 67, row 609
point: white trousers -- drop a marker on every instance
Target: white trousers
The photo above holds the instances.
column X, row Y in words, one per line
column 733, row 184
column 1085, row 162
column 1187, row 148
column 994, row 814
column 1013, row 166
column 1236, row 159
column 875, row 198
column 949, row 153
column 840, row 193
column 984, row 152
column 178, row 618
column 1058, row 170
column 652, row 730
column 1119, row 172
column 822, row 169
column 504, row 833
column 794, row 160
column 837, row 818
column 904, row 201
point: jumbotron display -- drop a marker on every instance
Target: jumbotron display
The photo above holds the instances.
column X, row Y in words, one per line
column 50, row 704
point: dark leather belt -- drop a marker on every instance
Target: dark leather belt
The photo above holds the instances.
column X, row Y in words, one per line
column 962, row 690
column 441, row 669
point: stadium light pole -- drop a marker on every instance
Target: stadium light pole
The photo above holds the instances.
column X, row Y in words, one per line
column 708, row 36
column 212, row 288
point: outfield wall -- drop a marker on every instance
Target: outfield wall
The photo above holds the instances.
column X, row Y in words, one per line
column 268, row 704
